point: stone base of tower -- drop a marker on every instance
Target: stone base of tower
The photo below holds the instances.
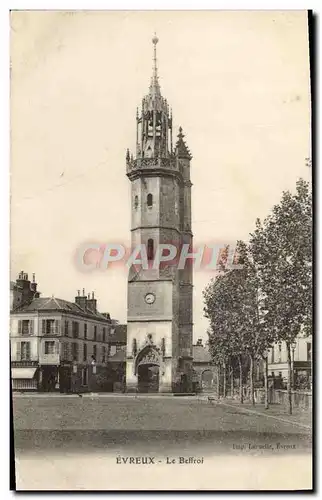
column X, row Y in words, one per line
column 165, row 383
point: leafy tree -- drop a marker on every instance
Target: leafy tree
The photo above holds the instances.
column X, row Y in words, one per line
column 231, row 306
column 281, row 248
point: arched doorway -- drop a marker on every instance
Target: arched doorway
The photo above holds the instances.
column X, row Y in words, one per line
column 207, row 380
column 148, row 370
column 148, row 378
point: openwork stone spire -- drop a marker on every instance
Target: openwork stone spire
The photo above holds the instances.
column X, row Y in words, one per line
column 154, row 85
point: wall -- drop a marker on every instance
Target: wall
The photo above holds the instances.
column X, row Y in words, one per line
column 37, row 339
column 300, row 399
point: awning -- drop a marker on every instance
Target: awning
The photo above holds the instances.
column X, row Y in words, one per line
column 23, row 372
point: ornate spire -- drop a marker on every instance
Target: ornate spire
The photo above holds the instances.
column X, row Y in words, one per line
column 154, row 86
column 182, row 149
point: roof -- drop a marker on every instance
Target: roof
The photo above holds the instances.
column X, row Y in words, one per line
column 55, row 304
column 118, row 357
column 118, row 334
column 200, row 354
column 14, row 286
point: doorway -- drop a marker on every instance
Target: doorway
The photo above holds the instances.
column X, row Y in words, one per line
column 49, row 378
column 148, row 378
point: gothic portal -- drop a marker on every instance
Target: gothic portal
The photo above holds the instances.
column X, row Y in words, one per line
column 159, row 322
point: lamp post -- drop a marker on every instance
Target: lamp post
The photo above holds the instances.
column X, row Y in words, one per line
column 74, row 375
column 293, row 347
column 93, row 374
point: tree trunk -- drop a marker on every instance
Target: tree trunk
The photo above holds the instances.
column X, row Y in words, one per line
column 232, row 382
column 252, row 396
column 289, row 378
column 225, row 380
column 241, row 395
column 266, row 381
column 218, row 382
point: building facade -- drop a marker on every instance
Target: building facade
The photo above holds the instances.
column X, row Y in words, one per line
column 59, row 345
column 301, row 360
column 205, row 373
column 159, row 322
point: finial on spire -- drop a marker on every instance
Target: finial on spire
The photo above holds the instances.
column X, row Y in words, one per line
column 154, row 87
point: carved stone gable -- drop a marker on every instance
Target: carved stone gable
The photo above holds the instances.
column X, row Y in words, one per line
column 149, row 358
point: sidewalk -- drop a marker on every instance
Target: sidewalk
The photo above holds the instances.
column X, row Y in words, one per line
column 301, row 417
column 98, row 395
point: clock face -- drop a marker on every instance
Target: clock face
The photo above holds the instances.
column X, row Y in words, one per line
column 149, row 298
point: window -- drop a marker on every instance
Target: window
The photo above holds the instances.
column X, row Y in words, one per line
column 136, row 202
column 309, row 351
column 150, row 252
column 84, row 352
column 104, row 334
column 25, row 326
column 65, row 351
column 50, row 347
column 75, row 330
column 95, row 332
column 273, row 352
column 85, row 331
column 25, row 351
column 103, row 354
column 279, row 352
column 66, row 328
column 50, row 326
column 75, row 351
column 95, row 351
column 149, row 200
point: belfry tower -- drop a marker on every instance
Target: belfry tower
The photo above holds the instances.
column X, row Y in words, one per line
column 159, row 322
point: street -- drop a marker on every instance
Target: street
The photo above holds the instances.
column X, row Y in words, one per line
column 71, row 442
column 85, row 423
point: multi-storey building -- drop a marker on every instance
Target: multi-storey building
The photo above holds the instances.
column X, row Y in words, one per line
column 301, row 361
column 59, row 345
column 159, row 322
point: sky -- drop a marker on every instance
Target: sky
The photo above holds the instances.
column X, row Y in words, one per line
column 238, row 84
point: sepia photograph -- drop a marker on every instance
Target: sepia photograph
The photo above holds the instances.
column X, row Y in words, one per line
column 161, row 241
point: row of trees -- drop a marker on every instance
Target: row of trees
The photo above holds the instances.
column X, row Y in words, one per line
column 268, row 298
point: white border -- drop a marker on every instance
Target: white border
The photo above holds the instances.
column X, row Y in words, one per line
column 5, row 6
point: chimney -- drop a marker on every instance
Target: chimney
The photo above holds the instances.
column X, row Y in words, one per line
column 33, row 284
column 92, row 303
column 81, row 300
column 23, row 283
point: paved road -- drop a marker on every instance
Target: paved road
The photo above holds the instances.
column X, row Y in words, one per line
column 147, row 424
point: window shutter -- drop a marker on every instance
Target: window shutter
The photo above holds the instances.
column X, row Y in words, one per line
column 56, row 326
column 27, row 350
column 18, row 344
column 31, row 326
column 43, row 326
column 19, row 326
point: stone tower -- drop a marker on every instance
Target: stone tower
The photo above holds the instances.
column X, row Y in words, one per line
column 159, row 322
